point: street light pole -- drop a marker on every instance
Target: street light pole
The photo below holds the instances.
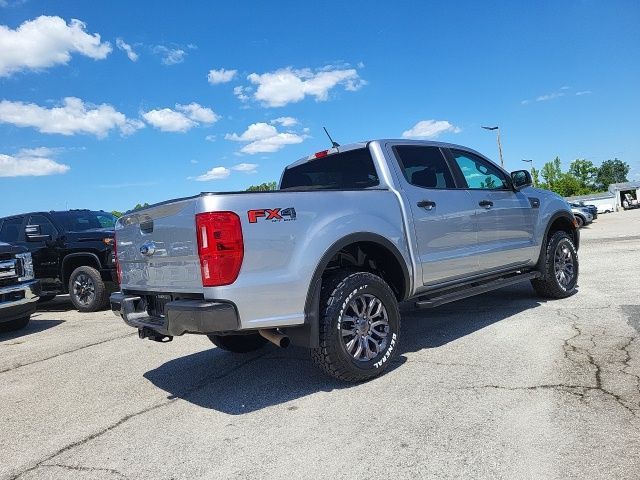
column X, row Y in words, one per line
column 497, row 129
column 530, row 162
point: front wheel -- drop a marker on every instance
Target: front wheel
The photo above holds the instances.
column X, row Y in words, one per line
column 87, row 290
column 559, row 269
column 359, row 326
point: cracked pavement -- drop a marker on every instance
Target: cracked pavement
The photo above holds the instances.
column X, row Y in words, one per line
column 503, row 385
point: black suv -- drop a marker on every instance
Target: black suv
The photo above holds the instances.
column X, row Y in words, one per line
column 72, row 253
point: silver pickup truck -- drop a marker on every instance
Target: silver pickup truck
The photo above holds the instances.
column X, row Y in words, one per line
column 323, row 261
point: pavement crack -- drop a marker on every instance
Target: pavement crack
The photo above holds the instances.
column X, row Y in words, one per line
column 204, row 383
column 86, row 469
column 15, row 367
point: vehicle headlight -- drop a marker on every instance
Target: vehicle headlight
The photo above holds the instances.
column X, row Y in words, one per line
column 27, row 267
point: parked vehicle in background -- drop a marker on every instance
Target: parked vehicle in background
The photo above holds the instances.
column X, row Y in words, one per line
column 324, row 261
column 72, row 253
column 605, row 208
column 18, row 289
column 583, row 216
column 629, row 202
column 592, row 209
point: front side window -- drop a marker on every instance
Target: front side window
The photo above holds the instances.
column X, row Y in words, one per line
column 46, row 227
column 479, row 174
column 424, row 166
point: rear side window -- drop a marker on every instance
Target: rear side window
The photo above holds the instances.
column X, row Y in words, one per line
column 353, row 169
column 10, row 230
column 424, row 166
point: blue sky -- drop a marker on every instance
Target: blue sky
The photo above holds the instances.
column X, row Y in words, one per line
column 137, row 115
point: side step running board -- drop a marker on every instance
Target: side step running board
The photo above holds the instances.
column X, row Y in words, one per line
column 451, row 295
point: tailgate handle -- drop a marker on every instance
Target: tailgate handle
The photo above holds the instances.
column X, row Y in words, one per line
column 486, row 203
column 146, row 226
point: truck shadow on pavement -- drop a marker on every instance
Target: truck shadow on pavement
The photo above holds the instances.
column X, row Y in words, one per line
column 34, row 326
column 237, row 384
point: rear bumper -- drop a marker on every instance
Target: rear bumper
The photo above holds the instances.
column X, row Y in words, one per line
column 18, row 301
column 180, row 317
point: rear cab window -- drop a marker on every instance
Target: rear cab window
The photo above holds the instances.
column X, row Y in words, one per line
column 350, row 170
column 424, row 166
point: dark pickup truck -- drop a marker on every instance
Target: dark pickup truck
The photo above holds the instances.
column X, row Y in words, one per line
column 18, row 289
column 72, row 253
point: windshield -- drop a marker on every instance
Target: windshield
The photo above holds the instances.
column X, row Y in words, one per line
column 79, row 221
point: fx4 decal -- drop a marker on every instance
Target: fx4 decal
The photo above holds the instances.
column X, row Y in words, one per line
column 272, row 214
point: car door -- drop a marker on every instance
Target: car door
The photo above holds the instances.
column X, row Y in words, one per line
column 443, row 215
column 43, row 246
column 505, row 217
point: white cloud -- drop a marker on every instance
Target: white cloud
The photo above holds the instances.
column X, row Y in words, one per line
column 242, row 93
column 288, row 85
column 198, row 113
column 126, row 48
column 33, row 162
column 430, row 129
column 221, row 76
column 184, row 118
column 216, row 173
column 47, row 41
column 285, row 121
column 245, row 167
column 170, row 56
column 74, row 116
column 168, row 120
column 264, row 138
column 584, row 92
column 211, row 138
column 549, row 96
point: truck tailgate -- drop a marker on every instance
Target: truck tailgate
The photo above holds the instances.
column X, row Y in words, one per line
column 157, row 248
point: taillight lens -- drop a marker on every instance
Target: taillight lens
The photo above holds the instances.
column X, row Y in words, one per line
column 115, row 259
column 220, row 247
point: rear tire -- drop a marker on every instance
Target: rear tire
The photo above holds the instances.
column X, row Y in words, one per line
column 13, row 325
column 87, row 290
column 359, row 326
column 238, row 343
column 559, row 269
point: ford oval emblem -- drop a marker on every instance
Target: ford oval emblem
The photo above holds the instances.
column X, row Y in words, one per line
column 148, row 248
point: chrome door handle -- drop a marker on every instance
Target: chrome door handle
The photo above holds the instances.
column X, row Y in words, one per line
column 486, row 203
column 426, row 204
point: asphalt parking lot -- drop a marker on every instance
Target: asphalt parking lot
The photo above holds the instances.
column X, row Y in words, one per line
column 498, row 386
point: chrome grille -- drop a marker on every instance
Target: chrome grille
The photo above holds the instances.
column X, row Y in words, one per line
column 8, row 269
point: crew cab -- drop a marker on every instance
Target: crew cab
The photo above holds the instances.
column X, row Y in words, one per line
column 72, row 253
column 19, row 290
column 323, row 261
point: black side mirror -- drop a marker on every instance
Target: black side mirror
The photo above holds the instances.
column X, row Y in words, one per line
column 521, row 179
column 34, row 234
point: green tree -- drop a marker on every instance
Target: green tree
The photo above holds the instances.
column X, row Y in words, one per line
column 612, row 171
column 585, row 171
column 116, row 213
column 263, row 187
column 551, row 173
column 139, row 206
column 535, row 175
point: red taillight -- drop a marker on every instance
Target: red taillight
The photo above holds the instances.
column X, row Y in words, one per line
column 321, row 154
column 115, row 259
column 220, row 247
